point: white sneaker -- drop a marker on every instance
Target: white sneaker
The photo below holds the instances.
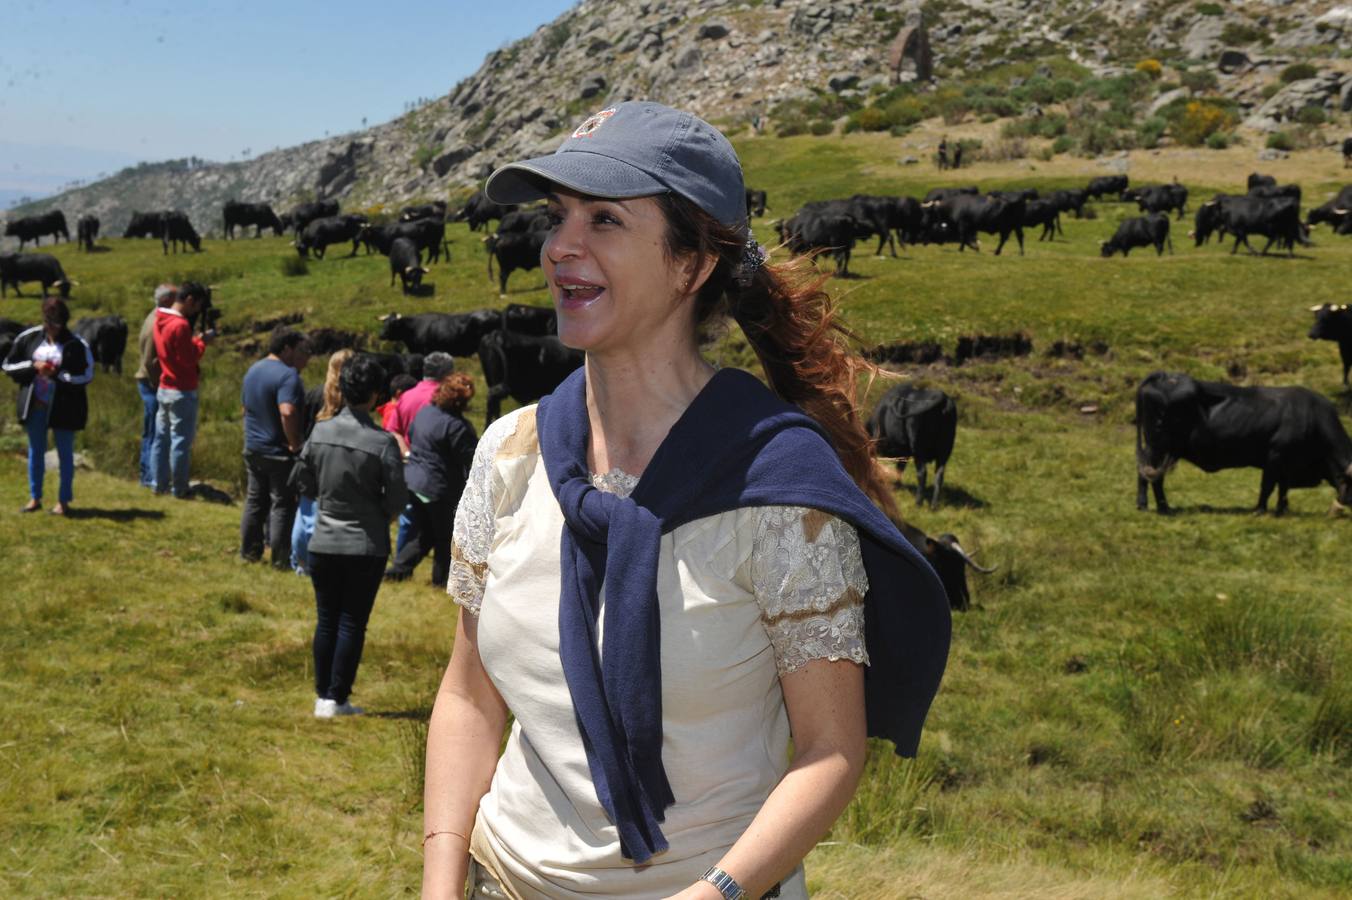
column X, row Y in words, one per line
column 346, row 709
column 325, row 709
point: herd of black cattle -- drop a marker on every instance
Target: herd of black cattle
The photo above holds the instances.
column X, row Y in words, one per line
column 1291, row 434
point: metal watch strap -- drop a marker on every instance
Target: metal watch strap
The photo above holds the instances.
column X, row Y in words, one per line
column 726, row 884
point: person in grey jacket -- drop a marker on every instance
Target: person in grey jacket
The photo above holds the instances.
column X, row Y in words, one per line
column 353, row 468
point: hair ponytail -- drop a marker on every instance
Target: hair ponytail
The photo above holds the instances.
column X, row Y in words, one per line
column 791, row 323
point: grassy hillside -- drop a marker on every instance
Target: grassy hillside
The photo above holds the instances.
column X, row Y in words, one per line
column 1137, row 707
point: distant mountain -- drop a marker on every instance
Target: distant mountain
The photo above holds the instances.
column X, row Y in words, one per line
column 730, row 61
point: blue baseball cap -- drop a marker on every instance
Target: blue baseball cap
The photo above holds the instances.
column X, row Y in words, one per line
column 635, row 149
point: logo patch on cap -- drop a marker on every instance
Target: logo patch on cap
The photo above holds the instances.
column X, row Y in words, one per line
column 593, row 122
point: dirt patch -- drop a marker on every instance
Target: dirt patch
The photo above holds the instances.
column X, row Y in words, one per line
column 920, row 353
column 330, row 340
column 992, row 346
column 278, row 321
column 1076, row 350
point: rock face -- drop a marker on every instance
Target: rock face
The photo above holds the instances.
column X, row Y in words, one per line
column 727, row 60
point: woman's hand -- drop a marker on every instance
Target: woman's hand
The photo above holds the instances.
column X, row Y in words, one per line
column 700, row 890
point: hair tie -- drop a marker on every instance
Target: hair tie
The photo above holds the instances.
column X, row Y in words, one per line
column 753, row 257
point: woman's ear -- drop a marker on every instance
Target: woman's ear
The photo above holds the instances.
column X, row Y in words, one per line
column 697, row 268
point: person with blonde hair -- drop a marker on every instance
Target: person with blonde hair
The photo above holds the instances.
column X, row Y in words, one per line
column 319, row 406
column 665, row 569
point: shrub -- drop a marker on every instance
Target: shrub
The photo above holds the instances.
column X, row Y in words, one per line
column 1243, row 33
column 1200, row 120
column 1280, row 140
column 294, row 266
column 1311, row 115
column 1151, row 68
column 1151, row 130
column 1298, row 72
column 1199, row 82
column 1064, row 88
column 870, row 118
column 820, row 127
column 423, row 156
column 1218, row 140
column 905, row 111
column 791, row 126
column 1063, row 144
column 1209, row 9
column 1270, row 90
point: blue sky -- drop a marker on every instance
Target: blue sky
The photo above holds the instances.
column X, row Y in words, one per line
column 89, row 86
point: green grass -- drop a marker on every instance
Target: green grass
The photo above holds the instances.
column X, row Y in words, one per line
column 1137, row 706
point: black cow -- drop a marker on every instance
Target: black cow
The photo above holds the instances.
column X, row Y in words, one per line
column 9, row 330
column 1257, row 180
column 176, row 229
column 479, row 211
column 1045, row 213
column 1292, row 434
column 1334, row 323
column 817, row 232
column 1141, row 231
column 1070, row 200
column 755, row 202
column 947, row 193
column 1106, row 184
column 1158, row 198
column 319, row 233
column 306, row 213
column 514, row 250
column 406, row 263
column 434, row 210
column 1337, row 212
column 32, row 228
column 949, row 561
column 522, row 366
column 259, row 215
column 972, row 214
column 16, row 268
column 524, row 319
column 455, row 333
column 107, row 339
column 87, row 232
column 1277, row 192
column 1347, row 152
column 919, row 424
column 872, row 216
column 146, row 224
column 1276, row 219
column 427, row 234
column 394, row 364
column 531, row 218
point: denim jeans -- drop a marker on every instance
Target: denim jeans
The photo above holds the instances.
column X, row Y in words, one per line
column 268, row 497
column 345, row 591
column 407, row 524
column 147, row 433
column 301, row 531
column 175, row 428
column 432, row 523
column 36, row 426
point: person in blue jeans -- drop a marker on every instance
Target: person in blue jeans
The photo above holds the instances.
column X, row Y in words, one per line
column 52, row 366
column 148, row 382
column 180, row 354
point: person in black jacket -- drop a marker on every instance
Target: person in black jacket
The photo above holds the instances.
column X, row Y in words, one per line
column 441, row 448
column 52, row 366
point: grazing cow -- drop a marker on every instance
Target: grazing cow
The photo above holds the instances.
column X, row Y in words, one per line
column 524, row 367
column 514, row 250
column 1256, row 180
column 434, row 210
column 319, row 233
column 949, row 561
column 817, row 232
column 259, row 215
column 32, row 228
column 146, row 224
column 531, row 218
column 1276, row 219
column 1277, row 192
column 406, row 262
column 479, row 211
column 1045, row 213
column 1069, row 200
column 306, row 213
column 1158, row 198
column 87, row 232
column 1141, row 231
column 1337, row 212
column 455, row 333
column 947, row 193
column 16, row 268
column 873, row 216
column 427, row 234
column 920, row 424
column 1292, row 434
column 972, row 214
column 1334, row 323
column 107, row 339
column 524, row 319
column 755, row 203
column 1106, row 184
column 176, row 229
column 395, row 364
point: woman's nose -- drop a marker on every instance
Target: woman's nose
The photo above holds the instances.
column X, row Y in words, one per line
column 565, row 240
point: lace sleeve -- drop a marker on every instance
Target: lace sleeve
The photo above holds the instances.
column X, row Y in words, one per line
column 472, row 536
column 808, row 575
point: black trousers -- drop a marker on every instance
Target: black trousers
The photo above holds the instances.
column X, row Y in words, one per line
column 267, row 499
column 345, row 591
column 432, row 522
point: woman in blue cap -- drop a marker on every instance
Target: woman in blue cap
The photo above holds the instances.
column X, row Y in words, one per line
column 665, row 569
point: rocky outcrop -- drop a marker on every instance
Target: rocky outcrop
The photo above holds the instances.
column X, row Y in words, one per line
column 730, row 61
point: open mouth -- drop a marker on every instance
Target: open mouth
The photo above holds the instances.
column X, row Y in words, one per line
column 576, row 293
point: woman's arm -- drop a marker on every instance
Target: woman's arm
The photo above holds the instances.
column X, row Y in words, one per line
column 825, row 703
column 463, row 739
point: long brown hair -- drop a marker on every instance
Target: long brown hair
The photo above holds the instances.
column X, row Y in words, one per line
column 791, row 323
column 333, row 397
column 454, row 392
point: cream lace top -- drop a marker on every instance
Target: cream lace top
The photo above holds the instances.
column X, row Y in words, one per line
column 745, row 597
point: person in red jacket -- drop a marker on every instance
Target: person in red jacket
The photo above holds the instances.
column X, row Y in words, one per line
column 180, row 354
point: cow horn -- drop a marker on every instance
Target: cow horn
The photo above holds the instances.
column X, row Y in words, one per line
column 426, row 271
column 484, row 239
column 928, row 203
column 72, row 282
column 1316, row 308
column 1101, row 243
column 408, row 270
column 1209, row 203
column 971, row 562
column 386, row 317
column 1340, row 212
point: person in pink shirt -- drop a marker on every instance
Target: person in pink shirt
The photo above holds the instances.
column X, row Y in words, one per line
column 180, row 354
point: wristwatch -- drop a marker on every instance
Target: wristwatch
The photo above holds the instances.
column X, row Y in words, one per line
column 726, row 884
